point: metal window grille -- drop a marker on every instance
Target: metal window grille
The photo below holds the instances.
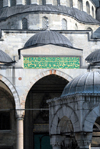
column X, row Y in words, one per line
column 64, row 24
column 24, row 23
column 71, row 3
column 1, row 3
column 13, row 2
column 4, row 120
column 44, row 22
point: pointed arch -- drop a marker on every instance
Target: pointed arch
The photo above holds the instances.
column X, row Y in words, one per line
column 13, row 91
column 59, row 114
column 41, row 75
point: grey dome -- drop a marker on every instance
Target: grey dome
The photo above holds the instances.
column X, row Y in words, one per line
column 81, row 16
column 96, row 34
column 48, row 37
column 5, row 58
column 88, row 83
column 94, row 57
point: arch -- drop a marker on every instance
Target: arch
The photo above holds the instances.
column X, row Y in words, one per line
column 88, row 7
column 44, row 74
column 80, row 5
column 12, row 89
column 12, row 2
column 44, row 22
column 59, row 114
column 27, row 2
column 64, row 24
column 91, row 118
column 92, row 12
column 68, row 3
column 24, row 23
column 1, row 3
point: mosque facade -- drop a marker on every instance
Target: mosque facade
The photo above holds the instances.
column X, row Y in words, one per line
column 49, row 74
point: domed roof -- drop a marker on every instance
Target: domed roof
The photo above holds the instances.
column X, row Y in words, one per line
column 96, row 34
column 88, row 83
column 5, row 58
column 94, row 57
column 78, row 15
column 48, row 37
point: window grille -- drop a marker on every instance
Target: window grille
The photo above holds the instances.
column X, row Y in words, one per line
column 24, row 24
column 71, row 3
column 5, row 121
column 88, row 7
column 64, row 24
column 80, row 5
column 44, row 22
column 1, row 3
column 13, row 2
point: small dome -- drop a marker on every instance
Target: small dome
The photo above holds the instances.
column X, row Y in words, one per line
column 5, row 58
column 47, row 37
column 94, row 57
column 88, row 83
column 96, row 34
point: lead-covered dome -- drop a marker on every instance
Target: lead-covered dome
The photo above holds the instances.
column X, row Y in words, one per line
column 88, row 83
column 48, row 37
column 94, row 57
column 5, row 58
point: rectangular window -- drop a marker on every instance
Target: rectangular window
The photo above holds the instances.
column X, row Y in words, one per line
column 4, row 121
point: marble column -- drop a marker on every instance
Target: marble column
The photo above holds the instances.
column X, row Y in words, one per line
column 20, row 132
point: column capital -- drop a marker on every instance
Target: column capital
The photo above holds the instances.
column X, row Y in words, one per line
column 20, row 114
column 56, row 140
column 83, row 139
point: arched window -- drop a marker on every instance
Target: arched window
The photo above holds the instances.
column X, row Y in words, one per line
column 92, row 11
column 13, row 2
column 88, row 7
column 71, row 3
column 80, row 5
column 43, row 2
column 64, row 24
column 24, row 24
column 1, row 3
column 68, row 3
column 44, row 22
column 56, row 2
column 27, row 2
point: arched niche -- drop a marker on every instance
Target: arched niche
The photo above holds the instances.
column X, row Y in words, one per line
column 37, row 121
column 12, row 3
column 27, row 2
column 92, row 12
column 7, row 117
column 44, row 22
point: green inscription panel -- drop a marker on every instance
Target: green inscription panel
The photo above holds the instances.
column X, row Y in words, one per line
column 51, row 62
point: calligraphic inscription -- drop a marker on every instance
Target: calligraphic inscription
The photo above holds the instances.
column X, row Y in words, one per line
column 51, row 62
